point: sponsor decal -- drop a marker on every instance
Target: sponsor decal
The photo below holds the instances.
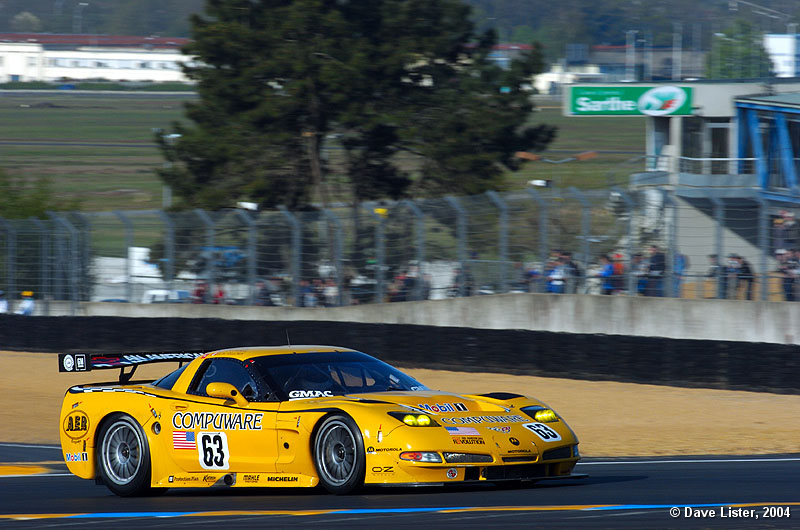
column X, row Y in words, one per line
column 543, row 431
column 250, row 479
column 171, row 478
column 209, row 478
column 503, row 429
column 76, row 424
column 75, row 405
column 513, row 441
column 372, row 450
column 80, row 362
column 444, row 407
column 383, row 469
column 183, row 440
column 452, row 473
column 111, row 361
column 224, row 421
column 68, row 362
column 456, row 420
column 462, row 431
column 468, row 440
column 519, row 451
column 191, row 478
column 76, row 457
column 301, row 394
column 283, row 479
column 213, row 450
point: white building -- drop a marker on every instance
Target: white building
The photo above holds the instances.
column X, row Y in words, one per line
column 784, row 51
column 44, row 57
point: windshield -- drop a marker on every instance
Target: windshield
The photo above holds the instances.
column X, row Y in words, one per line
column 297, row 376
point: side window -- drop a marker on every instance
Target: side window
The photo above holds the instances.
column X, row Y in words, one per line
column 226, row 371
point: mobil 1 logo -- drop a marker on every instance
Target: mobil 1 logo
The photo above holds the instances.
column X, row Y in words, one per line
column 543, row 431
column 212, row 448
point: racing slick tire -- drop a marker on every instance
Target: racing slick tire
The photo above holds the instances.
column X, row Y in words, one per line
column 339, row 454
column 123, row 457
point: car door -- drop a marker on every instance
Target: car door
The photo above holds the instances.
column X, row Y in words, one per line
column 212, row 434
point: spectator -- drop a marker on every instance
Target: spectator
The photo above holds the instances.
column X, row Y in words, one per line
column 3, row 303
column 732, row 277
column 639, row 269
column 331, row 293
column 655, row 272
column 786, row 269
column 607, row 274
column 574, row 273
column 618, row 279
column 263, row 294
column 26, row 306
column 307, row 296
column 199, row 293
column 557, row 277
column 679, row 268
column 219, row 296
column 462, row 279
column 745, row 276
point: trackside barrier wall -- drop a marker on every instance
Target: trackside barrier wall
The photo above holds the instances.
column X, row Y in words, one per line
column 651, row 360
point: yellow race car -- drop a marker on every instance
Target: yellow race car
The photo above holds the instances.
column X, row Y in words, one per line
column 298, row 416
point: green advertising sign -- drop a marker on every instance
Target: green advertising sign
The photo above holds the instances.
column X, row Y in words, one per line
column 629, row 101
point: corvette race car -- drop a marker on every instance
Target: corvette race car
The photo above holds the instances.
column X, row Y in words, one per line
column 297, row 416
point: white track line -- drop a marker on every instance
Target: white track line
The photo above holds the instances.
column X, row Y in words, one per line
column 688, row 461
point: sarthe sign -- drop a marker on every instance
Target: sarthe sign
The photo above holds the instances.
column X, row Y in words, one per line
column 629, row 101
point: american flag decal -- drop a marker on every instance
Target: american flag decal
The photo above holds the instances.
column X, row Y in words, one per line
column 183, row 440
column 462, row 431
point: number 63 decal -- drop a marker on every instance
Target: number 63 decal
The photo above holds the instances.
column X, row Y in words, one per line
column 213, row 450
column 543, row 431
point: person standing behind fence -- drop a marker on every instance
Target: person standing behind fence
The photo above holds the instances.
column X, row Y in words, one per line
column 679, row 271
column 606, row 274
column 574, row 273
column 655, row 272
column 27, row 305
column 744, row 276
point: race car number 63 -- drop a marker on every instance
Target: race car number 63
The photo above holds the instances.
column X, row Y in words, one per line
column 213, row 450
column 543, row 431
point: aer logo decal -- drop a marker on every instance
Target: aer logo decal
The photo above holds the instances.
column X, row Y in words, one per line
column 76, row 424
column 299, row 394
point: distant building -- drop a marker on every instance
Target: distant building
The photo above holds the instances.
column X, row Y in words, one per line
column 52, row 57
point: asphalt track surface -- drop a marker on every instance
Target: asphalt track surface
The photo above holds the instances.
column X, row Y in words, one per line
column 630, row 493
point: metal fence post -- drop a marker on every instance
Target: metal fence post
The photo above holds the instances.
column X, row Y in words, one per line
column 502, row 207
column 11, row 257
column 337, row 252
column 251, row 254
column 72, row 259
column 380, row 250
column 169, row 247
column 630, row 279
column 209, row 224
column 297, row 243
column 585, row 223
column 128, row 244
column 461, row 234
column 419, row 233
column 673, row 287
column 543, row 243
column 763, row 243
column 44, row 276
column 85, row 252
column 719, row 211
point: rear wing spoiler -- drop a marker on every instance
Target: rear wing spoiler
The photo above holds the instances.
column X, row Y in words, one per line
column 86, row 362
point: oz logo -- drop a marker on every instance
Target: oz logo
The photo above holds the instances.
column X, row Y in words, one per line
column 543, row 431
column 661, row 100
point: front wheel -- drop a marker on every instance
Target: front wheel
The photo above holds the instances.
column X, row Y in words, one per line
column 339, row 454
column 123, row 459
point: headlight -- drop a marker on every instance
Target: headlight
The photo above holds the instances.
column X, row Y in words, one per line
column 414, row 420
column 541, row 414
column 421, row 456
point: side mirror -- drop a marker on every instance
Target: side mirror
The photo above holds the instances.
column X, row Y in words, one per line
column 226, row 391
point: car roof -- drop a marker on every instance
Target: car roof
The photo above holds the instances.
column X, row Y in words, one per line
column 263, row 351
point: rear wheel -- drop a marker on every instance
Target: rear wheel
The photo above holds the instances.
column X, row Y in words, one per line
column 339, row 454
column 123, row 460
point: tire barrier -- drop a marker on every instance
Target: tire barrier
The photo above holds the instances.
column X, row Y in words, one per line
column 676, row 362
